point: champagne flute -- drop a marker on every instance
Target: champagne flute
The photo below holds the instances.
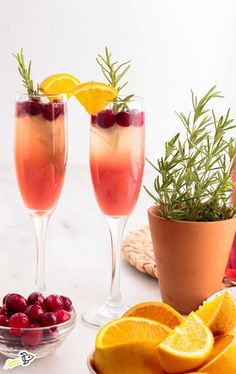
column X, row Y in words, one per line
column 116, row 164
column 40, row 160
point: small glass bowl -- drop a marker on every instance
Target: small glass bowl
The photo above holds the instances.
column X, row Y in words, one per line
column 40, row 341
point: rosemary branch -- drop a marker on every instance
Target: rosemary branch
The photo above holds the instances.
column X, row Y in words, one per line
column 25, row 72
column 114, row 73
column 193, row 181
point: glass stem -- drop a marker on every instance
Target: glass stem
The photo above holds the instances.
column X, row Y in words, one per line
column 116, row 227
column 40, row 226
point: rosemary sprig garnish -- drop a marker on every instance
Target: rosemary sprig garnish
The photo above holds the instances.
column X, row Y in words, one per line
column 25, row 72
column 114, row 72
column 193, row 180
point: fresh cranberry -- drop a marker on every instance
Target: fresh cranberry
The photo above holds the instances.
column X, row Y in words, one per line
column 34, row 312
column 60, row 105
column 62, row 316
column 34, row 325
column 53, row 303
column 124, row 119
column 52, row 110
column 106, row 119
column 15, row 303
column 36, row 298
column 6, row 312
column 137, row 118
column 33, row 106
column 3, row 311
column 5, row 297
column 4, row 320
column 48, row 319
column 67, row 303
column 93, row 119
column 17, row 322
column 32, row 338
column 20, row 109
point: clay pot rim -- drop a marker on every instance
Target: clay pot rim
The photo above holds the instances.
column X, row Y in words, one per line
column 151, row 209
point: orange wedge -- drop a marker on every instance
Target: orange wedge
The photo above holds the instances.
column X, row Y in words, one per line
column 129, row 346
column 94, row 96
column 187, row 346
column 156, row 311
column 59, row 84
column 220, row 314
column 222, row 360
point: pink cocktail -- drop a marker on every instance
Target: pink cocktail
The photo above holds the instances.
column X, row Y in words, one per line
column 116, row 164
column 40, row 159
column 117, row 161
column 40, row 152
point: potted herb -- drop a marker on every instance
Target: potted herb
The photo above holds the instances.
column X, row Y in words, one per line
column 192, row 224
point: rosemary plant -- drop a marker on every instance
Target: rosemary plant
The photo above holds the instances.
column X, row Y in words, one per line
column 193, row 181
column 25, row 72
column 114, row 73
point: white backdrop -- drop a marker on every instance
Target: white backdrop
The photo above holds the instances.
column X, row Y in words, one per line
column 174, row 45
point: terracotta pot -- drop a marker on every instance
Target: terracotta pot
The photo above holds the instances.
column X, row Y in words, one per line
column 191, row 258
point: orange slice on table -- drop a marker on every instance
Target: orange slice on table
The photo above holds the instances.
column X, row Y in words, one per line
column 222, row 360
column 219, row 314
column 94, row 96
column 187, row 346
column 59, row 84
column 156, row 311
column 129, row 346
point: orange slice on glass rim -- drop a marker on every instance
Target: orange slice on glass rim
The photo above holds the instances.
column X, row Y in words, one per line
column 59, row 84
column 94, row 96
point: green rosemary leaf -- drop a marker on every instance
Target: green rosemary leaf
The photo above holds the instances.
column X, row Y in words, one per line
column 123, row 85
column 150, row 194
column 121, row 65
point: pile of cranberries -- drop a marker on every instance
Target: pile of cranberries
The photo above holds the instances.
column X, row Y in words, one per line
column 18, row 313
column 107, row 118
column 50, row 111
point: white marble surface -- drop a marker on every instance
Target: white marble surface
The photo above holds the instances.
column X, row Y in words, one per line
column 78, row 260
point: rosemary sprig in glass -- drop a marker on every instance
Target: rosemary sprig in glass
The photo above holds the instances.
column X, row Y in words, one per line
column 25, row 72
column 114, row 73
column 193, row 180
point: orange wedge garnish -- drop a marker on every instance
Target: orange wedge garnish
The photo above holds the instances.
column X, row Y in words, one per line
column 94, row 96
column 59, row 84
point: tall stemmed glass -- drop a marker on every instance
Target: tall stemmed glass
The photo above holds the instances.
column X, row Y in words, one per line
column 116, row 164
column 40, row 159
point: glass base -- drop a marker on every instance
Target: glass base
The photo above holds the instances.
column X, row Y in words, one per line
column 100, row 316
